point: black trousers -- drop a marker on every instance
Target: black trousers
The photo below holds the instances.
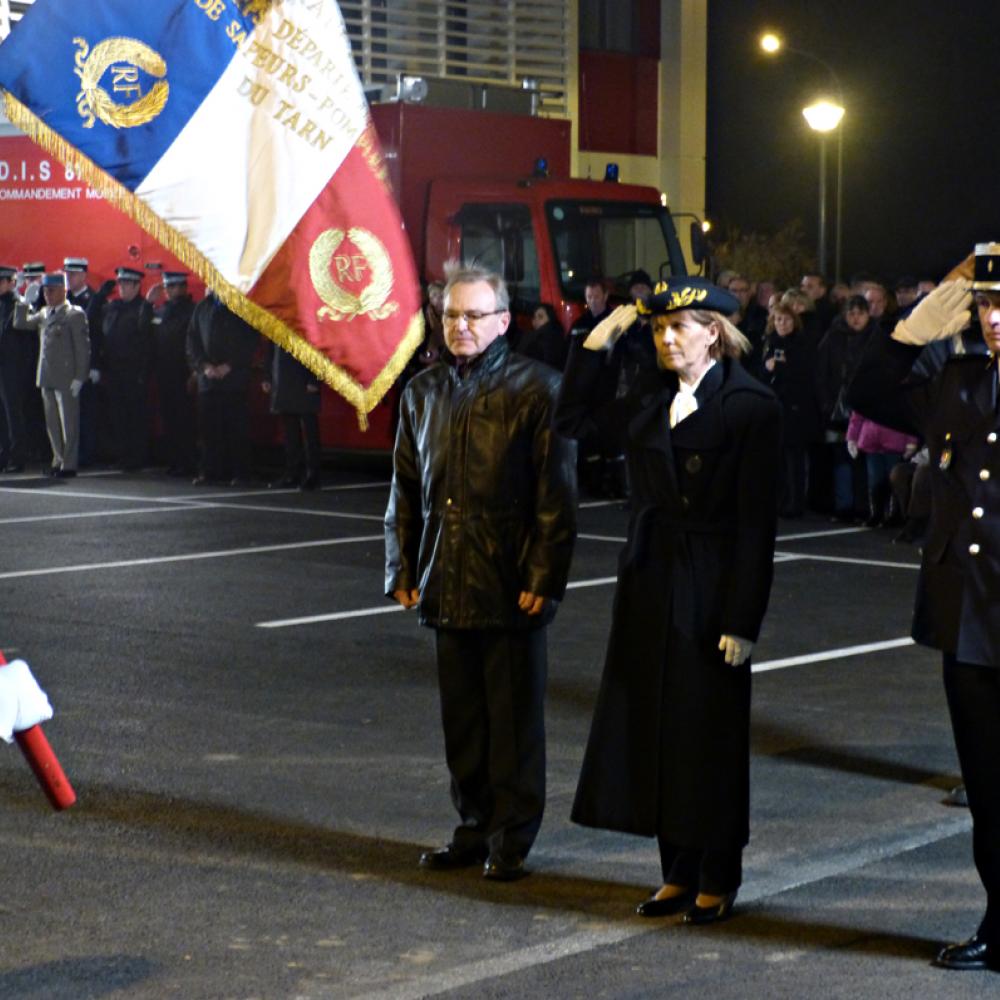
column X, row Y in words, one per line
column 14, row 426
column 128, row 399
column 974, row 703
column 225, row 434
column 793, row 481
column 177, row 417
column 492, row 685
column 714, row 873
column 301, row 431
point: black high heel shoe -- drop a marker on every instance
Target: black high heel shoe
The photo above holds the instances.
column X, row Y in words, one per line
column 668, row 907
column 711, row 914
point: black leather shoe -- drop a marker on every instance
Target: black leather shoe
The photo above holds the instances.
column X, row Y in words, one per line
column 311, row 482
column 14, row 467
column 711, row 914
column 450, row 857
column 284, row 483
column 504, row 869
column 66, row 473
column 654, row 907
column 972, row 954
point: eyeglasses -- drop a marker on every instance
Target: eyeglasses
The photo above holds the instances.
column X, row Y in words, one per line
column 472, row 318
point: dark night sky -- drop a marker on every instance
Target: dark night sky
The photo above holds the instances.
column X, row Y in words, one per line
column 921, row 83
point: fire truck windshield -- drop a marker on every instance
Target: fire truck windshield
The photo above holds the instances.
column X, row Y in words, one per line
column 612, row 239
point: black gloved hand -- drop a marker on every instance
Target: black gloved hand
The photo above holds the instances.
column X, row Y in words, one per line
column 107, row 288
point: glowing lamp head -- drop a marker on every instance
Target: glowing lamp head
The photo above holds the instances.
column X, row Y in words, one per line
column 823, row 116
column 770, row 43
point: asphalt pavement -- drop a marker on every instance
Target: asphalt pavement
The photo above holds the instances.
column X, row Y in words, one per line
column 253, row 734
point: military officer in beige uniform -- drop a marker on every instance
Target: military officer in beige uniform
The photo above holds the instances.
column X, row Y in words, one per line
column 63, row 366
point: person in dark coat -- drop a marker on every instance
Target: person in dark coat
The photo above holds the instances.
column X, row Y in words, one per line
column 839, row 355
column 128, row 364
column 16, row 351
column 955, row 407
column 166, row 322
column 789, row 366
column 668, row 754
column 546, row 341
column 295, row 397
column 479, row 534
column 220, row 349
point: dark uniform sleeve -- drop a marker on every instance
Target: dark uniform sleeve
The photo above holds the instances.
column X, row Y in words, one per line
column 404, row 521
column 890, row 387
column 551, row 551
column 587, row 402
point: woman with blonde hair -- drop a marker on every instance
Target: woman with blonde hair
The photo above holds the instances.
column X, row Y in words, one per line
column 668, row 754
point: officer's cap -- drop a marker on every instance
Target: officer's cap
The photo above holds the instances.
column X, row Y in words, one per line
column 128, row 274
column 986, row 276
column 78, row 264
column 55, row 279
column 175, row 277
column 8, row 271
column 34, row 270
column 683, row 292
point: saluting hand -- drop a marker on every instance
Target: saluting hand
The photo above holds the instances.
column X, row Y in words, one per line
column 604, row 336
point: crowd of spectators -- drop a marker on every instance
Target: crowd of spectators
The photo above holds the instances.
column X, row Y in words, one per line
column 806, row 344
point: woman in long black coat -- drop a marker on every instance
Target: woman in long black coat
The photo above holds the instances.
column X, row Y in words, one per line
column 668, row 754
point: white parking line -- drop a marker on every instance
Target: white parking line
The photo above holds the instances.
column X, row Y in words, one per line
column 826, row 533
column 831, row 654
column 31, row 519
column 190, row 557
column 811, row 557
column 336, row 616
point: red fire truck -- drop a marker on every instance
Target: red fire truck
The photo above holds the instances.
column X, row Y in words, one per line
column 477, row 186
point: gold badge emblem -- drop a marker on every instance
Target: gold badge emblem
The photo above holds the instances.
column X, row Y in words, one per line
column 126, row 106
column 328, row 262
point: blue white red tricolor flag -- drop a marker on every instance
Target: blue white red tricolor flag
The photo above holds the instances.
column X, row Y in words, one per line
column 236, row 132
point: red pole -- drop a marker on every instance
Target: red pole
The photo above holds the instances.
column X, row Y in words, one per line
column 45, row 764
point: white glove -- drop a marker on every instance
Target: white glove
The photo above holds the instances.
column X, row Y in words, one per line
column 852, row 449
column 32, row 294
column 945, row 312
column 75, row 386
column 604, row 336
column 737, row 650
column 94, row 375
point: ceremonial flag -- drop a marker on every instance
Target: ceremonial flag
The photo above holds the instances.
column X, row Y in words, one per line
column 237, row 134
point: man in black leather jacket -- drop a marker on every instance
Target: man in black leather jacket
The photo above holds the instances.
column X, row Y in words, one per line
column 479, row 535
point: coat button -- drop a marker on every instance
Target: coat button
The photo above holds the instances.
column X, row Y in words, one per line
column 984, row 474
column 977, row 512
column 991, row 438
column 448, row 502
column 685, row 502
column 974, row 549
column 693, row 465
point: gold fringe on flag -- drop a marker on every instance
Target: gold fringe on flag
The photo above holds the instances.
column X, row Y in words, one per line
column 363, row 400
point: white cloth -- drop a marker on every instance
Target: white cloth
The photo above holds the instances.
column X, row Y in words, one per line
column 684, row 403
column 23, row 703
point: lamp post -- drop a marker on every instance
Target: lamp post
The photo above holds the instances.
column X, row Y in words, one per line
column 771, row 44
column 823, row 117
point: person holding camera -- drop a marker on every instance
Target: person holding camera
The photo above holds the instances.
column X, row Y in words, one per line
column 790, row 370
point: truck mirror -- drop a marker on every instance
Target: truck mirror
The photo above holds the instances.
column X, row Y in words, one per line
column 699, row 245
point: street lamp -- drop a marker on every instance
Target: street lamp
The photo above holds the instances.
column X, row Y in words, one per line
column 772, row 43
column 824, row 116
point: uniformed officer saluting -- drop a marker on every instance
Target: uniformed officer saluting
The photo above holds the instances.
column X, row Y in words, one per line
column 954, row 405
